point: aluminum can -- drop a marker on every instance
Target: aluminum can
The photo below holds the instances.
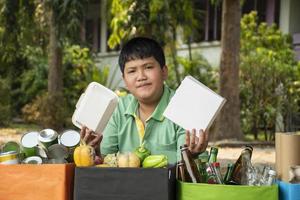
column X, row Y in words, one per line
column 33, row 160
column 11, row 146
column 48, row 137
column 70, row 139
column 29, row 142
column 58, row 151
column 9, row 158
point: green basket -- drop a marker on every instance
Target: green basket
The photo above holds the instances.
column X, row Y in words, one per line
column 195, row 191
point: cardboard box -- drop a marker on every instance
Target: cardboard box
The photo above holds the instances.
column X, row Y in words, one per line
column 124, row 183
column 288, row 191
column 287, row 147
column 42, row 182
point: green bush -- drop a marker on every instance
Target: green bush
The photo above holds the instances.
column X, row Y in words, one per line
column 198, row 67
column 267, row 75
column 79, row 70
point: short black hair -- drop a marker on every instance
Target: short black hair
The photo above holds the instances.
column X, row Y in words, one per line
column 140, row 48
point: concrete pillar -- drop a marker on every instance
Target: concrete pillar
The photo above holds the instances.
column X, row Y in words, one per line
column 289, row 16
column 103, row 28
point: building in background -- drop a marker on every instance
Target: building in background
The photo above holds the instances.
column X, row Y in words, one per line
column 206, row 40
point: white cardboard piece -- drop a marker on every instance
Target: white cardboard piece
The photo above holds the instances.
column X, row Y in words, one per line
column 95, row 107
column 194, row 105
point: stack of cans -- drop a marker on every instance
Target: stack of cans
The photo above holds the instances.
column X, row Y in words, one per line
column 45, row 146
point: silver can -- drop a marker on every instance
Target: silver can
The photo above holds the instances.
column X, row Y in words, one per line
column 57, row 151
column 48, row 137
column 33, row 160
column 29, row 142
column 9, row 158
column 70, row 139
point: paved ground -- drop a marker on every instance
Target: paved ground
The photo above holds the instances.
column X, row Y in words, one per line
column 261, row 156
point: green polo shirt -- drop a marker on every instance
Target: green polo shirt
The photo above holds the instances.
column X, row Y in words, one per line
column 162, row 136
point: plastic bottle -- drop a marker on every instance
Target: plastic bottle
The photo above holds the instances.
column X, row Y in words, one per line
column 271, row 177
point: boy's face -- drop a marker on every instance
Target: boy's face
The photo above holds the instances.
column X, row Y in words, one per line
column 144, row 79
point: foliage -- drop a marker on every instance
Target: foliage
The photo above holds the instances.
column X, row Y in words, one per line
column 267, row 75
column 39, row 111
column 158, row 19
column 198, row 68
column 79, row 71
column 33, row 80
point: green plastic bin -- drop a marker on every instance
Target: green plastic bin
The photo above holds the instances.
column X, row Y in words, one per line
column 199, row 191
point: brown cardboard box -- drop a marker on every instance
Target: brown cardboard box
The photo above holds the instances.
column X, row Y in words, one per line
column 42, row 182
column 287, row 146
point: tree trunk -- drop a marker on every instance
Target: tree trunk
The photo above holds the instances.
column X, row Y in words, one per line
column 228, row 126
column 55, row 98
column 55, row 83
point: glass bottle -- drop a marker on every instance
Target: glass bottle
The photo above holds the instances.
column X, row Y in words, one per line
column 228, row 173
column 213, row 155
column 190, row 165
column 202, row 162
column 240, row 168
column 181, row 173
column 217, row 172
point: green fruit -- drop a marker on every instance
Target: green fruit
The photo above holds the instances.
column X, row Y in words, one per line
column 154, row 160
column 162, row 164
column 142, row 153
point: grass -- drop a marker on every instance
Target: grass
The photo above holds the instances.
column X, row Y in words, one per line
column 250, row 137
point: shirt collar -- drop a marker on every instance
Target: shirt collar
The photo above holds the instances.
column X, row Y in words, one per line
column 160, row 108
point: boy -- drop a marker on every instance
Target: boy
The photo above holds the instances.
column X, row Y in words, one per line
column 138, row 118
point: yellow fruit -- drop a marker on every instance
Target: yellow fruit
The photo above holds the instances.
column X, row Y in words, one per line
column 128, row 160
column 103, row 165
column 84, row 155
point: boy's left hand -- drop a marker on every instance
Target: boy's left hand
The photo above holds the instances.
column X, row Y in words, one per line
column 196, row 144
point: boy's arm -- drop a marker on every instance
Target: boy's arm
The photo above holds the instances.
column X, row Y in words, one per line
column 110, row 142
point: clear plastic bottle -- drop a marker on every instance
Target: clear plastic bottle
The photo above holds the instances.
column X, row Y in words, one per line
column 271, row 177
column 264, row 175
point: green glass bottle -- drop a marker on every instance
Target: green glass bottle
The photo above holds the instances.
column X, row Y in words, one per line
column 213, row 155
column 202, row 161
column 228, row 173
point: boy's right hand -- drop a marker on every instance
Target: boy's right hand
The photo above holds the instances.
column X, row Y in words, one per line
column 91, row 138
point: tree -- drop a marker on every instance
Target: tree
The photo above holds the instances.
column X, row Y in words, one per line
column 64, row 19
column 157, row 19
column 228, row 124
